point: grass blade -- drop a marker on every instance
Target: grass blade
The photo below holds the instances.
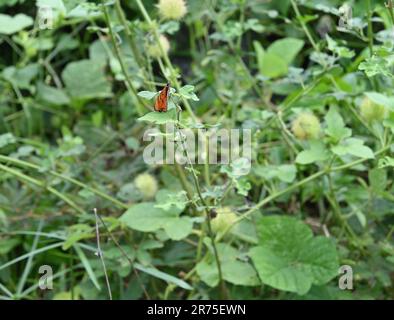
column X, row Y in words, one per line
column 87, row 266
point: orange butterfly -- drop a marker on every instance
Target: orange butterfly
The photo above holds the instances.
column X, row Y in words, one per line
column 161, row 102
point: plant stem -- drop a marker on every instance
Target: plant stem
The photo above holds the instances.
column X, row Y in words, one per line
column 63, row 177
column 173, row 76
column 304, row 26
column 293, row 187
column 100, row 255
column 131, row 41
column 370, row 30
column 41, row 184
column 389, row 5
column 125, row 255
column 207, row 214
column 122, row 63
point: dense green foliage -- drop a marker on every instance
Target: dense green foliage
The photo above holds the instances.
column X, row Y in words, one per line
column 313, row 81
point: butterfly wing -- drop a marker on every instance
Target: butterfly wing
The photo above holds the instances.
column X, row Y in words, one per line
column 162, row 100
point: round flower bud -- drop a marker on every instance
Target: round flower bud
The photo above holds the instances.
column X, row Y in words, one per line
column 324, row 26
column 146, row 184
column 154, row 48
column 306, row 126
column 172, row 9
column 372, row 111
column 225, row 218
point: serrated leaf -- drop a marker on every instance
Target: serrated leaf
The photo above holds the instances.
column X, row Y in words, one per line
column 335, row 125
column 316, row 152
column 187, row 92
column 174, row 201
column 386, row 162
column 342, row 52
column 354, row 147
column 289, row 258
column 374, row 66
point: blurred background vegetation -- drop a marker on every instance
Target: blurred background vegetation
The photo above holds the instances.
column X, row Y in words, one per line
column 311, row 79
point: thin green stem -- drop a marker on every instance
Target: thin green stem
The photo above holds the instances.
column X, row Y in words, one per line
column 131, row 42
column 293, row 187
column 207, row 214
column 390, row 7
column 122, row 63
column 64, row 177
column 370, row 29
column 173, row 77
column 41, row 184
column 100, row 254
column 304, row 26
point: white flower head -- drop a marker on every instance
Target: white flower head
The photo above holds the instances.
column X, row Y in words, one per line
column 172, row 9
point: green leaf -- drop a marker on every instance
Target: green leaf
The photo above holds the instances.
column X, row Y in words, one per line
column 180, row 228
column 147, row 217
column 174, row 201
column 381, row 99
column 360, row 216
column 289, row 258
column 188, row 92
column 342, row 52
column 21, row 77
column 286, row 48
column 253, row 24
column 234, row 271
column 76, row 233
column 85, row 79
column 149, row 95
column 285, row 172
column 52, row 95
column 336, row 126
column 272, row 66
column 386, row 162
column 374, row 66
column 10, row 25
column 275, row 61
column 159, row 117
column 164, row 276
column 87, row 266
column 377, row 179
column 354, row 147
column 316, row 152
column 6, row 245
column 6, row 139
